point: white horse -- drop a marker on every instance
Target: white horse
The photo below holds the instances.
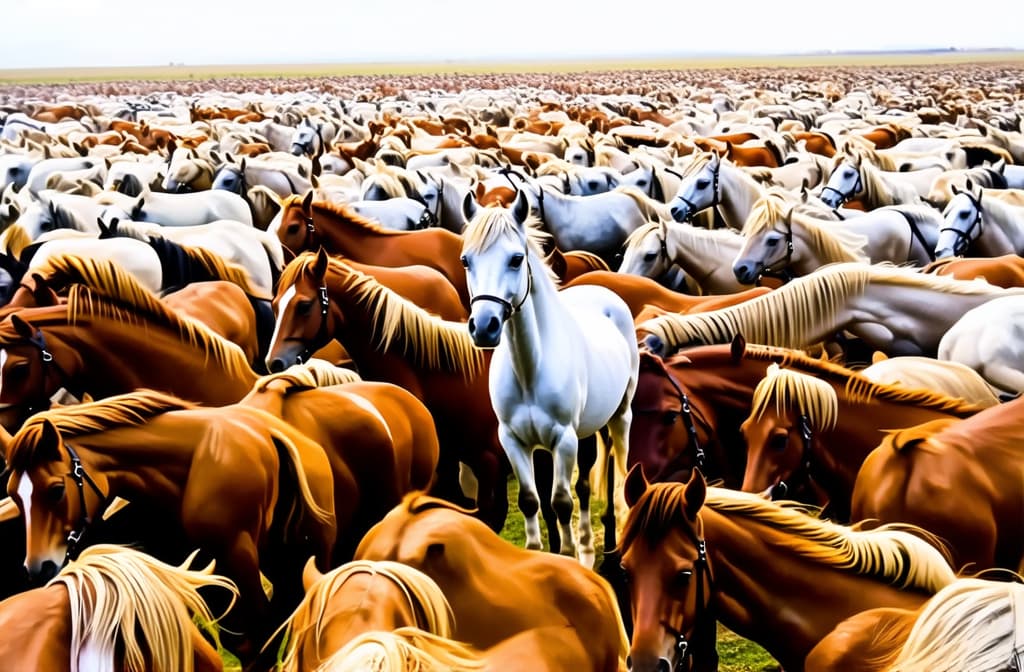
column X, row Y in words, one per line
column 854, row 176
column 710, row 182
column 656, row 181
column 988, row 339
column 56, row 210
column 990, row 227
column 191, row 209
column 564, row 367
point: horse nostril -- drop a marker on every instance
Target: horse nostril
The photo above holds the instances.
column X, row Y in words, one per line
column 664, row 665
column 493, row 325
column 277, row 365
column 629, row 662
column 472, row 325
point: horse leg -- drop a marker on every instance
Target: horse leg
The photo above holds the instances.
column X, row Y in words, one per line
column 565, row 452
column 586, row 457
column 618, row 428
column 522, row 467
column 544, row 471
column 240, row 562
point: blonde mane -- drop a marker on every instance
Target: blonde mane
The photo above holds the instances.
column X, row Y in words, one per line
column 126, row 602
column 403, row 650
column 897, row 553
column 714, row 243
column 389, row 178
column 123, row 410
column 790, row 390
column 14, row 240
column 308, row 375
column 830, row 244
column 971, row 624
column 492, row 223
column 789, row 315
column 423, row 595
column 651, row 209
column 870, row 164
column 434, row 343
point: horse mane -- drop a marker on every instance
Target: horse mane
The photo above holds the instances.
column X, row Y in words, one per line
column 903, row 555
column 434, row 343
column 403, row 650
column 14, row 240
column 697, row 164
column 388, row 178
column 417, row 502
column 130, row 306
column 424, row 596
column 797, row 391
column 649, row 208
column 123, row 410
column 796, row 307
column 308, row 375
column 125, row 601
column 709, row 242
column 343, row 211
column 970, row 624
column 491, row 223
column 211, row 264
column 832, row 243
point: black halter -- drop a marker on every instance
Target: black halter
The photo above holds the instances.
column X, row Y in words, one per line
column 321, row 337
column 80, row 476
column 47, row 362
column 428, row 218
column 785, row 273
column 686, row 413
column 683, row 649
column 507, row 307
column 965, row 238
column 310, row 238
column 781, row 489
column 715, row 199
column 843, row 198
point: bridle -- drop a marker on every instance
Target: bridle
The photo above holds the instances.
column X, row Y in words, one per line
column 80, row 476
column 321, row 337
column 686, row 412
column 715, row 197
column 47, row 363
column 428, row 218
column 508, row 309
column 781, row 489
column 683, row 649
column 965, row 238
column 784, row 273
column 843, row 198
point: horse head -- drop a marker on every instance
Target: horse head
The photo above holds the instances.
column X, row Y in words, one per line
column 302, row 309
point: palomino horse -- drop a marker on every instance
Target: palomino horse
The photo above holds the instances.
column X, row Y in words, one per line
column 976, row 504
column 704, row 255
column 1003, row 271
column 379, row 438
column 986, row 227
column 392, row 339
column 695, row 555
column 780, row 242
column 852, row 296
column 564, row 363
column 306, row 224
column 971, row 624
column 187, row 171
column 358, row 597
column 638, row 292
column 110, row 345
column 478, row 571
column 154, row 448
column 798, row 421
column 113, row 608
column 950, row 378
column 986, row 339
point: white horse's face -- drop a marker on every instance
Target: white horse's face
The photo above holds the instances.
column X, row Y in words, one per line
column 304, row 139
column 648, row 257
column 36, row 220
column 432, row 193
column 697, row 192
column 843, row 184
column 498, row 280
column 762, row 252
column 230, row 178
column 577, row 156
column 961, row 226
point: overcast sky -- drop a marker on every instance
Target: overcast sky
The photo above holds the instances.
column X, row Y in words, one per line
column 55, row 33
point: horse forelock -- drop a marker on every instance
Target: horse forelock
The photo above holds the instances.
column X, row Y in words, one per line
column 126, row 602
column 493, row 223
column 833, row 244
column 798, row 392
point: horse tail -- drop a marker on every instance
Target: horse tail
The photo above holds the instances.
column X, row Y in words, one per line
column 275, row 257
column 286, row 439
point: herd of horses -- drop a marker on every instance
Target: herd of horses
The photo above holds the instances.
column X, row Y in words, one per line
column 770, row 333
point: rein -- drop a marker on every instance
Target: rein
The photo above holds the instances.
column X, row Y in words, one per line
column 964, row 238
column 80, row 476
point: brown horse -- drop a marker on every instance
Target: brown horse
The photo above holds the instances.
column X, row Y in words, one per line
column 113, row 608
column 819, row 421
column 359, row 597
column 638, row 291
column 496, row 589
column 774, row 575
column 306, row 224
column 379, row 438
column 391, row 339
column 1004, row 271
column 104, row 346
column 160, row 450
column 961, row 479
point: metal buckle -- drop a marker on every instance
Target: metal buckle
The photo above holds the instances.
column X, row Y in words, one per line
column 47, row 357
column 74, row 536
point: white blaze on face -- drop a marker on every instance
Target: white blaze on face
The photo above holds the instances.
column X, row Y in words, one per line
column 25, row 494
column 282, row 308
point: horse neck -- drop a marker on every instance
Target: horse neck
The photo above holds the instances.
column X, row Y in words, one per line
column 531, row 326
column 340, row 234
column 877, row 191
column 738, row 195
column 1007, row 221
column 701, row 254
column 37, row 629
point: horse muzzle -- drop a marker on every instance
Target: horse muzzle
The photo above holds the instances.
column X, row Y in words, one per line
column 40, row 573
column 680, row 213
column 648, row 665
column 747, row 271
column 485, row 325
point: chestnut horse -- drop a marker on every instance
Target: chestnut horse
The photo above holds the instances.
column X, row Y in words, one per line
column 379, row 438
column 962, row 479
column 158, row 449
column 359, row 597
column 820, row 421
column 1004, row 271
column 305, row 224
column 113, row 608
column 971, row 624
column 774, row 575
column 496, row 589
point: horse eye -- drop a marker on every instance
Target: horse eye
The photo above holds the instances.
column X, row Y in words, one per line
column 650, row 256
column 55, row 493
column 303, row 307
column 964, row 214
column 771, row 242
column 703, row 184
column 516, row 261
column 849, row 173
column 465, row 261
column 46, row 226
column 683, row 578
column 669, row 417
column 779, row 442
column 292, row 229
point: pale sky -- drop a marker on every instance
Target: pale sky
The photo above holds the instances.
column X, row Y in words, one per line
column 62, row 33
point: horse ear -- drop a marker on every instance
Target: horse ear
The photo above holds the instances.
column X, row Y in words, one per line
column 241, row 165
column 521, row 208
column 8, row 509
column 999, row 166
column 695, row 493
column 104, row 229
column 556, row 260
column 307, row 202
column 140, row 202
column 49, row 443
column 878, row 356
column 469, row 206
column 955, row 189
column 969, row 184
column 738, row 347
column 23, row 328
column 635, row 485
column 41, row 291
column 320, row 265
column 310, row 574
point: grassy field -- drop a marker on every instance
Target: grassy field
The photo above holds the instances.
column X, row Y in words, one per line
column 201, row 72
